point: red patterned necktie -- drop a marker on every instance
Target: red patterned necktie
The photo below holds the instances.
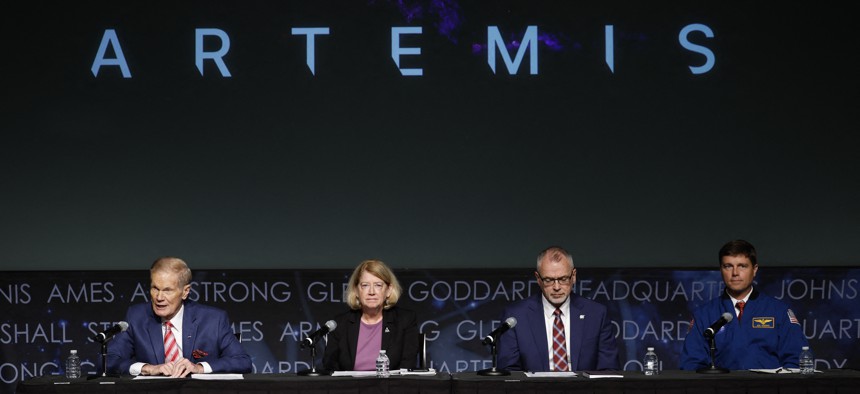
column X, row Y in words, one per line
column 559, row 344
column 740, row 306
column 171, row 349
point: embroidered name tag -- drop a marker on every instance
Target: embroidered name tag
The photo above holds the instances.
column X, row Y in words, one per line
column 762, row 322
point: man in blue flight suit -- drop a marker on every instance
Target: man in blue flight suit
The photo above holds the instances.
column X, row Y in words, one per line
column 765, row 332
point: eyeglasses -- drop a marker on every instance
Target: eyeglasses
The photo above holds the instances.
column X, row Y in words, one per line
column 564, row 280
column 364, row 286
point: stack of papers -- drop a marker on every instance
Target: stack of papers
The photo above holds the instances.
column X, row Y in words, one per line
column 362, row 374
column 601, row 374
column 217, row 376
column 406, row 372
column 780, row 370
column 201, row 376
column 550, row 374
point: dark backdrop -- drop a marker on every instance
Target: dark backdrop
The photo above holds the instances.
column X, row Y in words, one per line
column 49, row 313
column 462, row 167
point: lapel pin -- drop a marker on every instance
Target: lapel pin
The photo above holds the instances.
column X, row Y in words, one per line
column 386, row 329
column 581, row 317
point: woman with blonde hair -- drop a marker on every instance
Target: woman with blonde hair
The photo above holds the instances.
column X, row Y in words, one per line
column 373, row 323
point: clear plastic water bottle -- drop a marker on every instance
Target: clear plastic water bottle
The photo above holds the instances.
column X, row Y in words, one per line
column 807, row 361
column 651, row 365
column 382, row 365
column 73, row 365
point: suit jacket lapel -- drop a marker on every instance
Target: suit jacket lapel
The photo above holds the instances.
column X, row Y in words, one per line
column 189, row 330
column 387, row 321
column 576, row 329
column 156, row 336
column 538, row 328
column 352, row 334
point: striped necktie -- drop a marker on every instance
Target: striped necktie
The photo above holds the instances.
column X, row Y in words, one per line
column 559, row 344
column 171, row 349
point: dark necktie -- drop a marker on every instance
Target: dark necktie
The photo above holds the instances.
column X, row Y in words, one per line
column 740, row 305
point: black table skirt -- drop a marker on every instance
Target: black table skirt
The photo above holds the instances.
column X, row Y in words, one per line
column 253, row 383
column 668, row 382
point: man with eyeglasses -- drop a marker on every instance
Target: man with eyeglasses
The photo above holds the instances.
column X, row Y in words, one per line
column 557, row 330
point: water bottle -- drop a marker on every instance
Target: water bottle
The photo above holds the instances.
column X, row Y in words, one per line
column 807, row 361
column 382, row 364
column 73, row 365
column 651, row 365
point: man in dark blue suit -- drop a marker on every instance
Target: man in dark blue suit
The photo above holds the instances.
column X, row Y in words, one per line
column 557, row 330
column 165, row 336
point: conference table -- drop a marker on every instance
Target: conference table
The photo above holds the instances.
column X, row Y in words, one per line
column 632, row 382
column 671, row 382
column 252, row 383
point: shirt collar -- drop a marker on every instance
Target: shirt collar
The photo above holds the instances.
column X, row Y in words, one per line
column 176, row 321
column 549, row 309
column 745, row 299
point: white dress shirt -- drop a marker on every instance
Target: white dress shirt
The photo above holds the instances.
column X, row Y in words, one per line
column 176, row 321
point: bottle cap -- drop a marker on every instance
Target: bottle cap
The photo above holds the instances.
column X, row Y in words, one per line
column 650, row 349
column 74, row 351
column 382, row 352
column 804, row 348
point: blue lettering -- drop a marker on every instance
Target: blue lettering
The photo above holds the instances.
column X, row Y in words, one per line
column 397, row 51
column 529, row 42
column 216, row 56
column 310, row 53
column 609, row 32
column 709, row 55
column 110, row 38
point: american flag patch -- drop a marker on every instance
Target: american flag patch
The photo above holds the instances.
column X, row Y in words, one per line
column 792, row 318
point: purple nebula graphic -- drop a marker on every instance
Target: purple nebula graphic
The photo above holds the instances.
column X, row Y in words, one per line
column 443, row 14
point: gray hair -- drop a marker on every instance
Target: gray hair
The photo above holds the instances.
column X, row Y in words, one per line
column 554, row 254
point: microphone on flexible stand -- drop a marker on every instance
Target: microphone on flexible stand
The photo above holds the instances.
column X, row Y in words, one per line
column 710, row 333
column 311, row 340
column 493, row 341
column 494, row 336
column 110, row 332
column 722, row 321
column 103, row 338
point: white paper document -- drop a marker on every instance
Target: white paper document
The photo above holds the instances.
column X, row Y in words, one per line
column 217, row 376
column 550, row 374
column 601, row 374
column 406, row 372
column 359, row 374
column 780, row 370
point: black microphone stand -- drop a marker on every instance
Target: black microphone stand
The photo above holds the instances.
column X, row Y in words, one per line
column 104, row 362
column 312, row 371
column 713, row 368
column 494, row 371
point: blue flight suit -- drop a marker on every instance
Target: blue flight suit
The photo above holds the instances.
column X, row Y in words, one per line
column 768, row 336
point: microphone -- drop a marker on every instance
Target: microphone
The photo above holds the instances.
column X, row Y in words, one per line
column 712, row 330
column 508, row 324
column 110, row 332
column 325, row 329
